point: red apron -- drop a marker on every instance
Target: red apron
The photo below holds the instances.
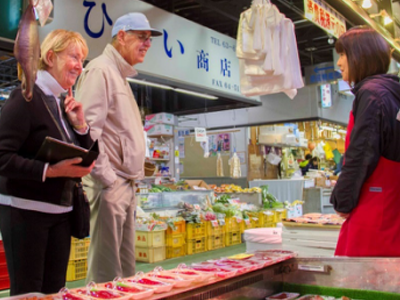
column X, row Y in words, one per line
column 373, row 227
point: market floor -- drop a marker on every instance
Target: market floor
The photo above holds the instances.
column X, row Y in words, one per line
column 168, row 264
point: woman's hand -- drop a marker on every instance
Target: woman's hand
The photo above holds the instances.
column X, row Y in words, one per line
column 74, row 111
column 343, row 215
column 68, row 168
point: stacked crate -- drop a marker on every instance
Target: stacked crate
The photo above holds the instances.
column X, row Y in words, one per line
column 233, row 235
column 250, row 223
column 150, row 246
column 267, row 218
column 195, row 238
column 4, row 278
column 175, row 240
column 280, row 213
column 215, row 235
column 77, row 264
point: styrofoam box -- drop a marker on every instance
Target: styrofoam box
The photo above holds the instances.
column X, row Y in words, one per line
column 159, row 129
column 161, row 118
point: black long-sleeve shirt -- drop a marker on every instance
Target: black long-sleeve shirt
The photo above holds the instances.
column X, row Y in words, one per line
column 376, row 133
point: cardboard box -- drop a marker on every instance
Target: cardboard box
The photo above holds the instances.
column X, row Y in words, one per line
column 322, row 182
column 198, row 184
column 159, row 129
column 160, row 118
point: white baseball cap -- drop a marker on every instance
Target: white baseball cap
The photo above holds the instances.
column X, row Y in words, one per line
column 133, row 21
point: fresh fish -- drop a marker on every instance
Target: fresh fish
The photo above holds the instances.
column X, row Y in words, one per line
column 27, row 51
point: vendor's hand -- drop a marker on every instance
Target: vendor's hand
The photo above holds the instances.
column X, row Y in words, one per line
column 343, row 215
column 74, row 111
column 68, row 168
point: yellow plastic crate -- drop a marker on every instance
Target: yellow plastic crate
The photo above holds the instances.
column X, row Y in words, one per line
column 195, row 246
column 150, row 254
column 79, row 249
column 232, row 225
column 214, row 230
column 150, row 238
column 265, row 217
column 180, row 228
column 233, row 238
column 195, row 230
column 173, row 252
column 215, row 242
column 252, row 223
column 269, row 224
column 175, row 240
column 77, row 269
column 280, row 214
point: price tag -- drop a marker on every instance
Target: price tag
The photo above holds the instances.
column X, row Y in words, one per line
column 214, row 223
column 247, row 221
column 255, row 219
column 268, row 213
column 221, row 222
column 239, row 220
column 197, row 207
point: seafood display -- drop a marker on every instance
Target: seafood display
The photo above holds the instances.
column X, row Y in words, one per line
column 317, row 218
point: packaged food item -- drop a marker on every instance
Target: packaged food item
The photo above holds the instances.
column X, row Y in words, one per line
column 158, row 285
column 283, row 296
column 137, row 292
column 178, row 281
column 316, row 297
column 216, row 271
column 92, row 291
column 197, row 276
column 66, row 294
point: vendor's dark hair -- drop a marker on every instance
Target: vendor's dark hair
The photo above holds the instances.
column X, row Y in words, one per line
column 367, row 53
column 308, row 156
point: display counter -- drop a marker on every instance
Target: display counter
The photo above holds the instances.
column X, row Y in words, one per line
column 283, row 189
column 356, row 278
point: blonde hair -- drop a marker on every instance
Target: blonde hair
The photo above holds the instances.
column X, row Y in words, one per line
column 58, row 40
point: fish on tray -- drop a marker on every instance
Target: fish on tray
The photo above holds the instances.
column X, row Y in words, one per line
column 27, row 50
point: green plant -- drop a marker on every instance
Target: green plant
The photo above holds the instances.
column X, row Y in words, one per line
column 268, row 200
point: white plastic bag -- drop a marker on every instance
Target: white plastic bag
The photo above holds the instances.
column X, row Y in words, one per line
column 273, row 158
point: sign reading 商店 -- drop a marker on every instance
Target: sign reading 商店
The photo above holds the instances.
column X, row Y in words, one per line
column 324, row 16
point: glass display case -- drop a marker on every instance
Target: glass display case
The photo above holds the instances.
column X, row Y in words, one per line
column 170, row 200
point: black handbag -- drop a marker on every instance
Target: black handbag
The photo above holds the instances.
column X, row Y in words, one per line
column 80, row 215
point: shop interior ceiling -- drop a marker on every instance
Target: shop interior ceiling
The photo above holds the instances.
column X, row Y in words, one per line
column 314, row 46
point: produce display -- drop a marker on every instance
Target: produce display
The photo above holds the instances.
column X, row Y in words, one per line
column 231, row 188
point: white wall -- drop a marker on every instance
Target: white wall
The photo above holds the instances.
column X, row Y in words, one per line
column 278, row 108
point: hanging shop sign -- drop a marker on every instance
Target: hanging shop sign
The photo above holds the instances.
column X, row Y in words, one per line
column 321, row 73
column 186, row 52
column 324, row 16
column 200, row 134
column 326, row 95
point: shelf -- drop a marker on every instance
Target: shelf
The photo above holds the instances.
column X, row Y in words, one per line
column 159, row 159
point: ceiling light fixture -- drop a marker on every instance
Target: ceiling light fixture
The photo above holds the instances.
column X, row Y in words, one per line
column 366, row 4
column 386, row 18
column 143, row 82
column 210, row 97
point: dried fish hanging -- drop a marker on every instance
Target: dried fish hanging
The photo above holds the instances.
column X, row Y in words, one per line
column 220, row 166
column 27, row 45
column 234, row 164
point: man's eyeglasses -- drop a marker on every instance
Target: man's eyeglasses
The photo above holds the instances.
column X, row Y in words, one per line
column 143, row 37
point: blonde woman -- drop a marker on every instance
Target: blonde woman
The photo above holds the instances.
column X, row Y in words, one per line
column 35, row 196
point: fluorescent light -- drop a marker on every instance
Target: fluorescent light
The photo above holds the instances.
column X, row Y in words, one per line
column 196, row 94
column 143, row 82
column 387, row 20
column 327, row 128
column 366, row 4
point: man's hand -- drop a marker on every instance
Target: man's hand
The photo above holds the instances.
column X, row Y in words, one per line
column 68, row 168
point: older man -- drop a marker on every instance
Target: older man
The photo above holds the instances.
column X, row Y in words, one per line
column 114, row 119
